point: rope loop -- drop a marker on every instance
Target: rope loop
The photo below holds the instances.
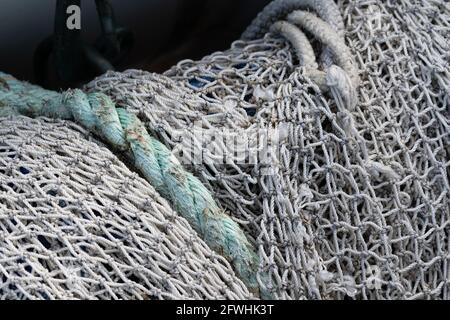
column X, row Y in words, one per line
column 340, row 76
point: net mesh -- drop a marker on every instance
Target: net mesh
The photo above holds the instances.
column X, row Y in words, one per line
column 76, row 223
column 354, row 204
column 350, row 204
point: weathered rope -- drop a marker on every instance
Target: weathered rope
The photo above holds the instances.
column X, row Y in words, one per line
column 340, row 80
column 326, row 9
column 125, row 132
column 77, row 223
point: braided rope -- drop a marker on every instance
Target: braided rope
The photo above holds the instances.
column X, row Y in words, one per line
column 125, row 132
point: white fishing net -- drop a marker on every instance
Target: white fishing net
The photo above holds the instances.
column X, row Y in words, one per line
column 341, row 203
column 76, row 223
column 354, row 203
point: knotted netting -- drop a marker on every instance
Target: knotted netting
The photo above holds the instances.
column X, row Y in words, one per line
column 323, row 132
column 356, row 203
column 76, row 223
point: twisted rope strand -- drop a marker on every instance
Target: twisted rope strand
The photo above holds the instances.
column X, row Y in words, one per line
column 125, row 132
column 301, row 44
column 341, row 83
column 325, row 34
column 326, row 9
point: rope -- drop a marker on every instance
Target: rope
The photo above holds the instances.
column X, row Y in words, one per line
column 326, row 9
column 341, row 80
column 125, row 132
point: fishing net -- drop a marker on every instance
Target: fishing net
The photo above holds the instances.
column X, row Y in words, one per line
column 76, row 223
column 351, row 203
column 324, row 132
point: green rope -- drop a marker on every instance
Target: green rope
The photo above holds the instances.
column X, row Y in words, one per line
column 126, row 133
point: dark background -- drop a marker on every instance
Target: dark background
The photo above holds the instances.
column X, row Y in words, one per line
column 165, row 31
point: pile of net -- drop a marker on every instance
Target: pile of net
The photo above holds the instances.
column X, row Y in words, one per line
column 324, row 133
column 76, row 223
